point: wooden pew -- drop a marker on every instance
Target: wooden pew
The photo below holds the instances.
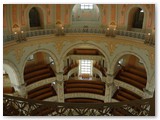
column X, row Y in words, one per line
column 36, row 73
column 132, row 82
column 8, row 90
column 135, row 77
column 44, row 96
column 84, row 90
column 38, row 78
column 83, row 100
column 82, row 85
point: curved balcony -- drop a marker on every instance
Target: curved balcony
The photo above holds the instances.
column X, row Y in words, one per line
column 138, row 35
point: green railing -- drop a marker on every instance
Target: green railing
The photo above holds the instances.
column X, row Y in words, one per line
column 138, row 35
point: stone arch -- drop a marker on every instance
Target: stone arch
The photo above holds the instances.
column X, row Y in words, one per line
column 13, row 73
column 120, row 55
column 41, row 11
column 53, row 56
column 90, row 44
column 145, row 15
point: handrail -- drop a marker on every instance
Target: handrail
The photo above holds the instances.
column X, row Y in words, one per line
column 26, row 107
column 10, row 37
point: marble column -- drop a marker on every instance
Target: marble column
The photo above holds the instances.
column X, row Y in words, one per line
column 108, row 88
column 60, row 87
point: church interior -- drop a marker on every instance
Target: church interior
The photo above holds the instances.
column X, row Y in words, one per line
column 78, row 59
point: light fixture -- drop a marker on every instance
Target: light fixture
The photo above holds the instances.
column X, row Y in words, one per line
column 141, row 11
column 111, row 32
column 149, row 39
column 19, row 36
column 59, row 29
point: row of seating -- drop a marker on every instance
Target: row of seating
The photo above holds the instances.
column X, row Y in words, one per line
column 34, row 68
column 37, row 73
column 8, row 90
column 133, row 76
column 137, row 71
column 84, row 81
column 84, row 86
column 125, row 95
column 83, row 100
column 42, row 92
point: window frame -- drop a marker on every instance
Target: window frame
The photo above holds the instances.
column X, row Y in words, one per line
column 86, row 6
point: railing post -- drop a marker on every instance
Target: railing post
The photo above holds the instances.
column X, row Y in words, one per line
column 60, row 87
column 108, row 88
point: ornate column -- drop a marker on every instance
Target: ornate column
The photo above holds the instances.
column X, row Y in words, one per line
column 21, row 90
column 60, row 87
column 108, row 88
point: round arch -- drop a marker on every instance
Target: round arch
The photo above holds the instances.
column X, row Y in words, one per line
column 145, row 15
column 88, row 44
column 13, row 73
column 98, row 6
column 120, row 55
column 41, row 11
column 53, row 56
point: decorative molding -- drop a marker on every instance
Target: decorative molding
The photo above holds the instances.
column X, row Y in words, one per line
column 90, row 57
column 51, row 99
column 59, row 45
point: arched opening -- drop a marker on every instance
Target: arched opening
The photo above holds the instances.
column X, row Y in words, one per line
column 86, row 59
column 10, row 79
column 85, row 15
column 36, row 63
column 138, row 18
column 130, row 72
column 89, row 65
column 39, row 71
column 135, row 18
column 7, row 86
column 130, row 69
column 35, row 18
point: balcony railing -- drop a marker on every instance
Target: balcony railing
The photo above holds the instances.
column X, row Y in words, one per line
column 7, row 38
column 14, row 106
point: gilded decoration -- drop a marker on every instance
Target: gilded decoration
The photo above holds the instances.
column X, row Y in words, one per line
column 19, row 53
column 59, row 45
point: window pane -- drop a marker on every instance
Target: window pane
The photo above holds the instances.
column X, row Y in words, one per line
column 86, row 6
column 85, row 67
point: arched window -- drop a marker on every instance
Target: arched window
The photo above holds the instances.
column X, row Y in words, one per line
column 34, row 18
column 85, row 12
column 138, row 18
